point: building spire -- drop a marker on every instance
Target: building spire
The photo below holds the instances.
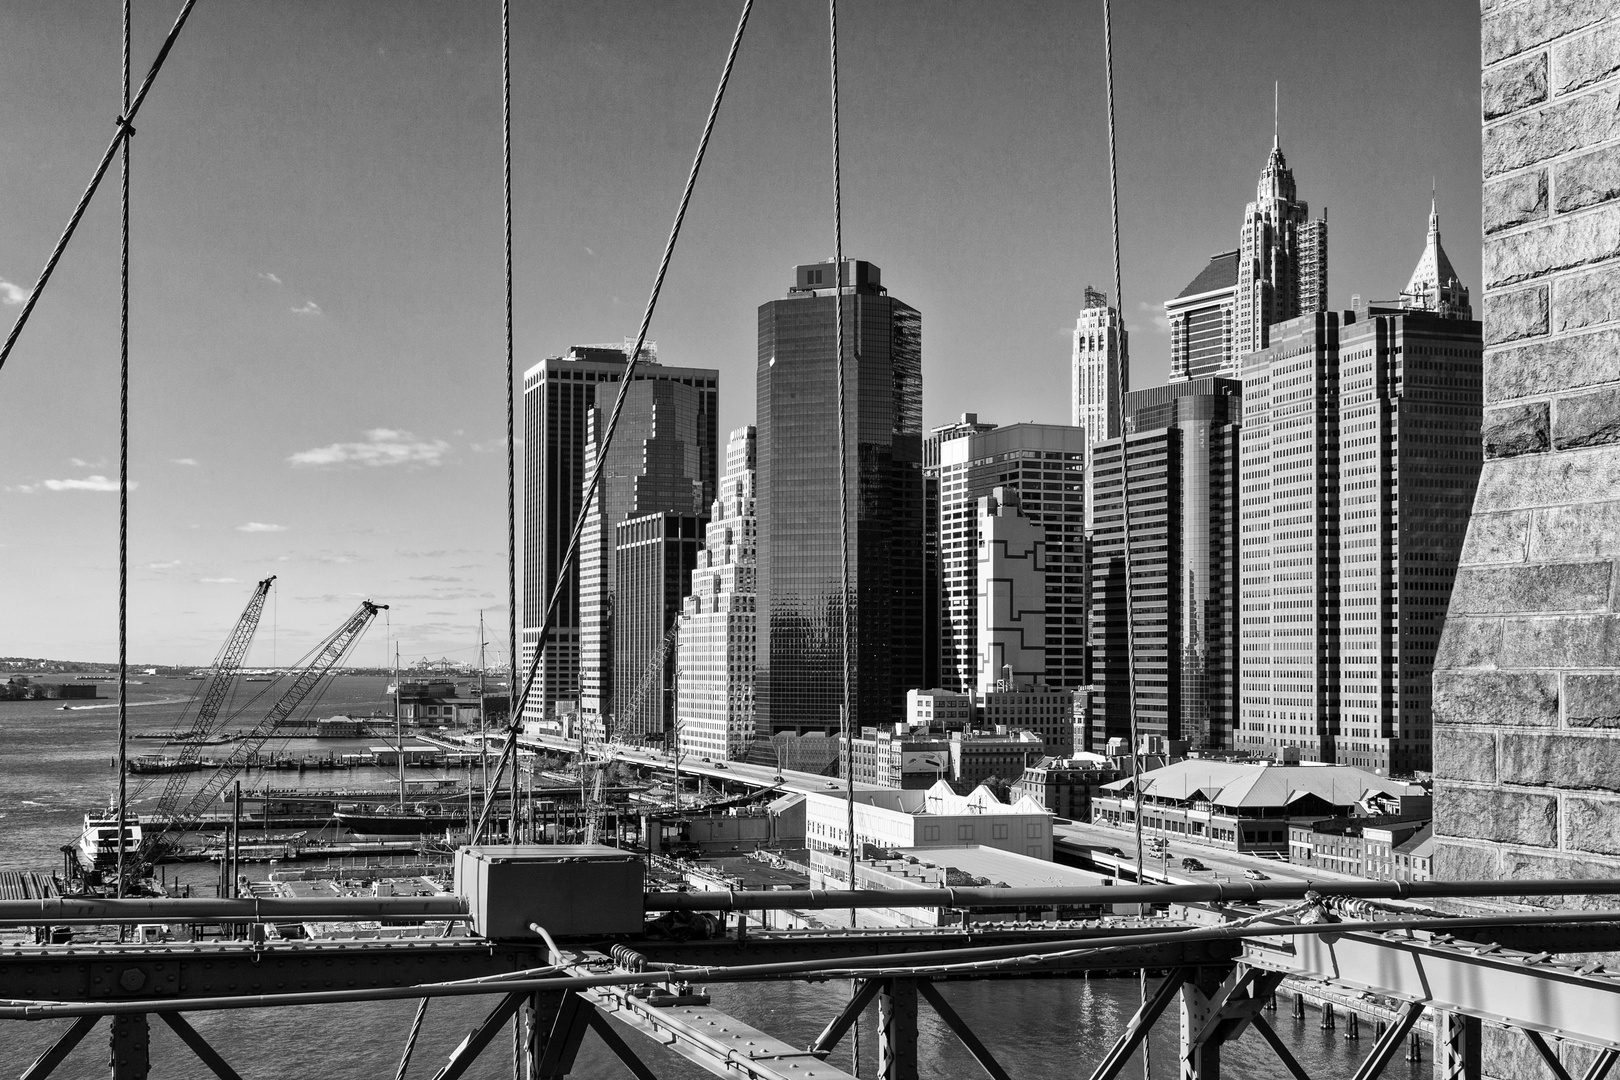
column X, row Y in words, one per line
column 1276, row 114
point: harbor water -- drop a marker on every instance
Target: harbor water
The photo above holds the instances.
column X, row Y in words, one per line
column 56, row 765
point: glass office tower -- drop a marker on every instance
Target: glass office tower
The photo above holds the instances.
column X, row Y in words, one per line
column 800, row 646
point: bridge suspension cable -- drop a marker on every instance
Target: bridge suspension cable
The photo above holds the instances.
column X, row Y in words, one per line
column 123, row 480
column 126, row 128
column 520, row 701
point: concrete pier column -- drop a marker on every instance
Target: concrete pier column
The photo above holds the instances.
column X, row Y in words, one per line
column 1328, row 1023
column 1352, row 1025
column 897, row 1030
column 130, row 1047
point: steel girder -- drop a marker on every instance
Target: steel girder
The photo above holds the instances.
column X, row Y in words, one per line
column 1533, row 992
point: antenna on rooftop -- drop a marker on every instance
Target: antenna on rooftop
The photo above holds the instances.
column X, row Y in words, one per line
column 1276, row 112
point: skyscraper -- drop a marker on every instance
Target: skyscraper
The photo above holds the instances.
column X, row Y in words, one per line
column 1184, row 447
column 656, row 465
column 1282, row 260
column 654, row 558
column 1045, row 465
column 1361, row 456
column 715, row 673
column 933, row 597
column 1097, row 374
column 1203, row 322
column 800, row 673
column 1012, row 594
column 558, row 393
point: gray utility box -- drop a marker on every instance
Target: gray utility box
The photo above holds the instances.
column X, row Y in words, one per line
column 573, row 890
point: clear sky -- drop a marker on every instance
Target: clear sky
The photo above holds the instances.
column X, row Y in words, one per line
column 318, row 365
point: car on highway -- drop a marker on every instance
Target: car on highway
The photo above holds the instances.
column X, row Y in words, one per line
column 1255, row 875
column 1190, row 863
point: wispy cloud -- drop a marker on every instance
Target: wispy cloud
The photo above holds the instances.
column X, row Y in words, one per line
column 260, row 527
column 11, row 295
column 80, row 463
column 437, row 577
column 382, row 446
column 1161, row 321
column 218, row 580
column 308, row 307
column 162, row 566
column 94, row 482
column 490, row 446
column 191, row 461
column 271, row 278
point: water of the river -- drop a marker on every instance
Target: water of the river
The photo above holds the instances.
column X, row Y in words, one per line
column 55, row 765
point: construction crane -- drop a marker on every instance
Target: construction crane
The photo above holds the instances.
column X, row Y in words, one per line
column 210, row 697
column 650, row 678
column 596, row 809
column 325, row 657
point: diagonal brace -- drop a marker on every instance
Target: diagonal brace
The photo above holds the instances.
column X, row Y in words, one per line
column 464, row 1055
column 980, row 1052
column 47, row 1062
column 1284, row 1055
column 1539, row 1041
column 199, row 1046
column 1239, row 999
column 840, row 1025
column 1600, row 1068
column 1384, row 1049
column 615, row 1042
column 1137, row 1028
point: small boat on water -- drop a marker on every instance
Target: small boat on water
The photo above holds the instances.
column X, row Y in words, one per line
column 148, row 764
column 423, row 819
column 98, row 843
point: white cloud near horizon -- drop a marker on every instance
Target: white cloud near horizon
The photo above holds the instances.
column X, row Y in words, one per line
column 308, row 307
column 382, row 446
column 161, row 566
column 260, row 527
column 93, row 482
column 218, row 581
column 271, row 278
column 191, row 461
column 11, row 295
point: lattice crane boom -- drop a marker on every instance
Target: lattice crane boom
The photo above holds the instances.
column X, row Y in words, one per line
column 650, row 678
column 327, row 656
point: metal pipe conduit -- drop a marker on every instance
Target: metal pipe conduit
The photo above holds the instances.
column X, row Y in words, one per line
column 1080, row 896
column 62, row 910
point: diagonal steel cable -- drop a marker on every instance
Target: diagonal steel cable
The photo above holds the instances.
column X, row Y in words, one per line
column 123, row 487
column 515, row 719
column 125, row 130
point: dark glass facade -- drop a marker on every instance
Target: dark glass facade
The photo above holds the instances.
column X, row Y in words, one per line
column 1184, row 446
column 558, row 394
column 800, row 669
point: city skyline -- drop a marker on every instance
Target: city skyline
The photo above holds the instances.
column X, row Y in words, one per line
column 292, row 392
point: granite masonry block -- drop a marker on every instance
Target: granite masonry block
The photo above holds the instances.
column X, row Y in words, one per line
column 1514, row 86
column 1560, row 641
column 1466, row 755
column 1535, row 135
column 1584, row 300
column 1582, row 586
column 1511, row 316
column 1551, row 367
column 1511, row 430
column 1497, row 538
column 1497, row 699
column 1588, row 419
column 1592, row 701
column 1507, row 817
column 1513, row 200
column 1506, row 1053
column 1559, row 866
column 1465, row 861
column 1587, row 180
column 1468, row 643
column 1560, row 244
column 1585, row 59
column 1510, row 29
column 1584, row 531
column 1566, row 760
column 1547, row 480
column 1592, row 825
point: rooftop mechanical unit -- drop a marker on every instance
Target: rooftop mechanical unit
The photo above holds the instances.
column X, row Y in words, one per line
column 573, row 890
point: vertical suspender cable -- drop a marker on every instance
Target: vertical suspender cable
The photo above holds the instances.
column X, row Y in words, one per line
column 511, row 403
column 123, row 492
column 843, row 457
column 515, row 724
column 1122, row 380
